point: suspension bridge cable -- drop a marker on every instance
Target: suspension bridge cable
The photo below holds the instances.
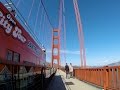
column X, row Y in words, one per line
column 60, row 14
column 30, row 10
column 64, row 38
column 37, row 16
column 64, row 28
column 46, row 13
column 43, row 27
column 78, row 25
column 60, row 25
column 25, row 23
column 80, row 33
column 18, row 3
column 41, row 20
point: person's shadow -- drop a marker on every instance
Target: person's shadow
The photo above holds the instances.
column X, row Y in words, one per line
column 56, row 84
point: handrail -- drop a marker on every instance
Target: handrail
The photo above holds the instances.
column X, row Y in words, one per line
column 107, row 77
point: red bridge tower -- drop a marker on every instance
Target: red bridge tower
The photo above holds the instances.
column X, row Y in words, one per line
column 56, row 47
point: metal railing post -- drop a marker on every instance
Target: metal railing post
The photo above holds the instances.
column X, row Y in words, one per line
column 106, row 81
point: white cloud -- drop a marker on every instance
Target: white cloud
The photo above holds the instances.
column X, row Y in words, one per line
column 66, row 52
column 106, row 61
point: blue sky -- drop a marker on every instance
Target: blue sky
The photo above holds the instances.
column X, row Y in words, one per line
column 101, row 27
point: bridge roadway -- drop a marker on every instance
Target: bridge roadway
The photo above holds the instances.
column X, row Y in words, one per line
column 59, row 82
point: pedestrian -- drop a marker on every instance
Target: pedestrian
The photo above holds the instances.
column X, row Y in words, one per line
column 67, row 71
column 71, row 70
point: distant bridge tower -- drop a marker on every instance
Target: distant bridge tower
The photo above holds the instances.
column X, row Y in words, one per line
column 80, row 34
column 56, row 47
column 56, row 37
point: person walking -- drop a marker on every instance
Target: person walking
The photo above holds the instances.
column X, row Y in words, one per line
column 67, row 71
column 71, row 70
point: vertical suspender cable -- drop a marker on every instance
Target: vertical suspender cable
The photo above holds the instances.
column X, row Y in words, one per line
column 64, row 31
column 26, row 24
column 60, row 21
column 64, row 38
column 43, row 28
column 60, row 15
column 30, row 10
column 41, row 21
column 18, row 3
column 37, row 16
column 48, row 32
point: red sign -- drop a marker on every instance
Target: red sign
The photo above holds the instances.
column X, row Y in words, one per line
column 10, row 27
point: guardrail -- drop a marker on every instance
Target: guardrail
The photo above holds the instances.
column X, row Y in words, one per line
column 107, row 78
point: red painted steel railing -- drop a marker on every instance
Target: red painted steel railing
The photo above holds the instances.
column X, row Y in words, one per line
column 105, row 77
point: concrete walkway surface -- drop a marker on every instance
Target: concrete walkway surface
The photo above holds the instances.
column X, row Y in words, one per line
column 59, row 82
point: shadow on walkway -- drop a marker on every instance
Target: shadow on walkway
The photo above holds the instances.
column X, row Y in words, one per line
column 56, row 84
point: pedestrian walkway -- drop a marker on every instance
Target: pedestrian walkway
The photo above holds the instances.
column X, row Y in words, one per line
column 59, row 82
